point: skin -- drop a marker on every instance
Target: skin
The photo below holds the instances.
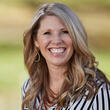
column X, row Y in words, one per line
column 52, row 37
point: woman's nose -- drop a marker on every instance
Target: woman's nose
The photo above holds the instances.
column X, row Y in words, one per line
column 56, row 38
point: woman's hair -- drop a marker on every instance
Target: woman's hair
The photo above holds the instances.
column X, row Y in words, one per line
column 81, row 68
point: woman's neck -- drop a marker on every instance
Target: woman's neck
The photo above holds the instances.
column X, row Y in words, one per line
column 57, row 76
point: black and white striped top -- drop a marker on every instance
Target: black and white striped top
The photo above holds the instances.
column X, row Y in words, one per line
column 101, row 101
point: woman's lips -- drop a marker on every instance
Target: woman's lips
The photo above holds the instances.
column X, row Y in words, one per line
column 57, row 51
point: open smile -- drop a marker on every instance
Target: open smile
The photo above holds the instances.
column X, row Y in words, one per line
column 57, row 51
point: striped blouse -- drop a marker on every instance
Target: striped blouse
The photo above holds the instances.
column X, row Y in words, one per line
column 100, row 101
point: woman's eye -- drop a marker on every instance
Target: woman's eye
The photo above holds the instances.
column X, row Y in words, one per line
column 65, row 32
column 46, row 33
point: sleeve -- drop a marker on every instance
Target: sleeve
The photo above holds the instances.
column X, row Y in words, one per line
column 24, row 90
column 102, row 98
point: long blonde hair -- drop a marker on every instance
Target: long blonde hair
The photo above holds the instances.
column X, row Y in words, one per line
column 81, row 66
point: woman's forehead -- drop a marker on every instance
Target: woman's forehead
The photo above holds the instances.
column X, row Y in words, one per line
column 51, row 21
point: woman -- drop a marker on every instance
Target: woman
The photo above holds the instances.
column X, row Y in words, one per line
column 63, row 73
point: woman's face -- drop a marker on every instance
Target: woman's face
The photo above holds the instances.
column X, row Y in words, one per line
column 54, row 41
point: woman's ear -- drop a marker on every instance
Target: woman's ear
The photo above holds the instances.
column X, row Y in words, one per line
column 36, row 43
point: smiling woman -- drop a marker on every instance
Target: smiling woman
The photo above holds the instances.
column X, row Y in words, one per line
column 62, row 70
column 54, row 41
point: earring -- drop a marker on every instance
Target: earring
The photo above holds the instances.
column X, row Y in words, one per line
column 37, row 56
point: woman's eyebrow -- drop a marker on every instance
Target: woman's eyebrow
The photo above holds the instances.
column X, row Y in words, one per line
column 44, row 30
column 63, row 28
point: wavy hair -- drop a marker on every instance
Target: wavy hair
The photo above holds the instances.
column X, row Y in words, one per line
column 81, row 68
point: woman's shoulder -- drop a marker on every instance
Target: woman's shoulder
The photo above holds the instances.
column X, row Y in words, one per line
column 102, row 82
column 100, row 101
column 26, row 86
column 103, row 88
column 102, row 97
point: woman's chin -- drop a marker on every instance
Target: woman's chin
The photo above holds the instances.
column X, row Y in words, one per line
column 57, row 62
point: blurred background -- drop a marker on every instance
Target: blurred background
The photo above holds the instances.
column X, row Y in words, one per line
column 15, row 17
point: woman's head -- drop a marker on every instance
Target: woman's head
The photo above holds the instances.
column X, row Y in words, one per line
column 53, row 41
column 72, row 23
column 80, row 60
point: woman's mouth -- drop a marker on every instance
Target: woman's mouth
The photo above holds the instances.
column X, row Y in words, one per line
column 57, row 51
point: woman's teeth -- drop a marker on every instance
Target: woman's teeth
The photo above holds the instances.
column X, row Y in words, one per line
column 60, row 50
